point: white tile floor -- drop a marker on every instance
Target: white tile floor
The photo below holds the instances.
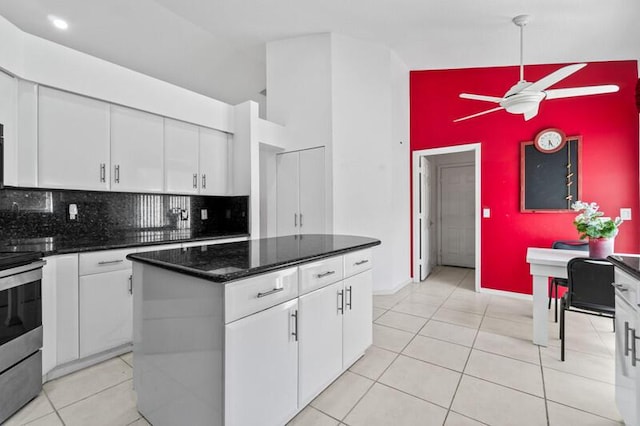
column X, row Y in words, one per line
column 442, row 355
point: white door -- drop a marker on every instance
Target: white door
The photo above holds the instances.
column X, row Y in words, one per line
column 457, row 218
column 214, row 162
column 106, row 311
column 287, row 194
column 136, row 151
column 357, row 321
column 261, row 367
column 181, row 149
column 424, row 263
column 312, row 191
column 320, row 342
column 73, row 141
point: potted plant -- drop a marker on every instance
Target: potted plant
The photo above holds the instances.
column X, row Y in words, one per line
column 600, row 230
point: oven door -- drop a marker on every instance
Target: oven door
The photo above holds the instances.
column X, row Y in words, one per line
column 20, row 313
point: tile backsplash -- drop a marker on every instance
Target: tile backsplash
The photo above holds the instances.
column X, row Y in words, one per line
column 38, row 213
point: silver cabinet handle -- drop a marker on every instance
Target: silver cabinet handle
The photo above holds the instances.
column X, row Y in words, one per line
column 116, row 173
column 103, row 172
column 195, row 180
column 110, row 262
column 349, row 298
column 130, row 284
column 294, row 333
column 295, row 219
column 341, row 302
column 301, row 219
column 325, row 274
column 267, row 293
column 634, row 338
column 204, row 181
column 620, row 287
column 362, row 262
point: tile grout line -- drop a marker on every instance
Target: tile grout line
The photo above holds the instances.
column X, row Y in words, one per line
column 544, row 388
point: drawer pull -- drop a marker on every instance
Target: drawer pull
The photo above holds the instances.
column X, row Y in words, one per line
column 362, row 262
column 325, row 274
column 267, row 293
column 110, row 262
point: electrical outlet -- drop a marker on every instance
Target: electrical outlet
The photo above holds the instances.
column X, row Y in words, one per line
column 184, row 214
column 625, row 214
column 486, row 213
column 73, row 211
column 203, row 214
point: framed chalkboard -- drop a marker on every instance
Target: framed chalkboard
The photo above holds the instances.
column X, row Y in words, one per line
column 550, row 182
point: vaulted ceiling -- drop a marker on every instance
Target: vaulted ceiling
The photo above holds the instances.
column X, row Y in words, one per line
column 217, row 47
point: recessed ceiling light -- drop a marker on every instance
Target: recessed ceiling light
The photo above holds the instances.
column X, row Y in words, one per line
column 59, row 23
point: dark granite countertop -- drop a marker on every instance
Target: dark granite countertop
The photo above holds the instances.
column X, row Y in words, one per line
column 231, row 261
column 49, row 246
column 628, row 263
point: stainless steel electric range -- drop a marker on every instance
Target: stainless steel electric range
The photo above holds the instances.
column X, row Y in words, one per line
column 20, row 330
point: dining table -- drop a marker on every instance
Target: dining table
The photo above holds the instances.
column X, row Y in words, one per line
column 546, row 263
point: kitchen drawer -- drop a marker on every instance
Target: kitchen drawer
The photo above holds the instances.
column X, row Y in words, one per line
column 252, row 295
column 104, row 261
column 356, row 262
column 319, row 274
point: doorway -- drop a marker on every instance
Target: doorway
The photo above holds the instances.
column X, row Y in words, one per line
column 446, row 212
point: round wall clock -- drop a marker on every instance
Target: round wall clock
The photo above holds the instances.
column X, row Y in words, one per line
column 550, row 140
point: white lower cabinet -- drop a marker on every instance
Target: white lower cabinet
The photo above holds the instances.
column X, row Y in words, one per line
column 106, row 311
column 261, row 367
column 357, row 327
column 320, row 350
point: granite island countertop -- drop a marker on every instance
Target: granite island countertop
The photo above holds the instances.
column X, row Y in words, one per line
column 629, row 263
column 50, row 246
column 231, row 261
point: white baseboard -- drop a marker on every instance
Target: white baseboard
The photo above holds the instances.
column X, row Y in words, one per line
column 510, row 294
column 394, row 290
column 79, row 364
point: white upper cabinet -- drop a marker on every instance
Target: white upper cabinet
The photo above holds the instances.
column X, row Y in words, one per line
column 214, row 162
column 181, row 149
column 8, row 103
column 73, row 141
column 136, row 151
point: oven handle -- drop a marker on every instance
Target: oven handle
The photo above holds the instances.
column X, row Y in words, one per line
column 15, row 277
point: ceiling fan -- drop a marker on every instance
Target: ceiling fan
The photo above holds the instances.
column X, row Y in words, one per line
column 525, row 97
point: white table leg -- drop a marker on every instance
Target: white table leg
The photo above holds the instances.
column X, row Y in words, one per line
column 540, row 299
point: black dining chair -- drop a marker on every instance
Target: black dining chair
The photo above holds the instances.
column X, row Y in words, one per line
column 579, row 245
column 590, row 291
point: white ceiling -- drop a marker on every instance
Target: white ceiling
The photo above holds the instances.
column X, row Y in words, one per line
column 217, row 47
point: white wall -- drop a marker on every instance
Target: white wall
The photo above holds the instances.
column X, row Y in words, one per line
column 352, row 97
column 42, row 61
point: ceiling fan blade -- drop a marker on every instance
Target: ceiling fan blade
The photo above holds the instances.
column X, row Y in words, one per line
column 580, row 91
column 528, row 115
column 480, row 97
column 555, row 77
column 478, row 114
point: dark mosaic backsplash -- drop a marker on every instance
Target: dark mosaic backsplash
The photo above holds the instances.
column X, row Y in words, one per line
column 105, row 216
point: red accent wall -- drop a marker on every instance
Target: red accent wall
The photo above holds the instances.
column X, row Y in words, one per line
column 608, row 125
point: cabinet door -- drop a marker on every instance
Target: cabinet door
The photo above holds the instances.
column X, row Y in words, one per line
column 73, row 141
column 106, row 311
column 287, row 193
column 312, row 193
column 320, row 343
column 261, row 367
column 214, row 162
column 180, row 157
column 626, row 322
column 136, row 150
column 8, row 119
column 357, row 322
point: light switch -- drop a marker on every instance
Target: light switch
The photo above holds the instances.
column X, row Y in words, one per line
column 204, row 214
column 486, row 213
column 625, row 214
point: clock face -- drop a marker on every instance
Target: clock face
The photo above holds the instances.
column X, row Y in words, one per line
column 549, row 141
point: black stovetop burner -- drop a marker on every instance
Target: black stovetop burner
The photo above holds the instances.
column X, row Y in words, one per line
column 11, row 259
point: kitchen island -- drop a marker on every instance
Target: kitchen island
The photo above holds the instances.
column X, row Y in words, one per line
column 249, row 332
